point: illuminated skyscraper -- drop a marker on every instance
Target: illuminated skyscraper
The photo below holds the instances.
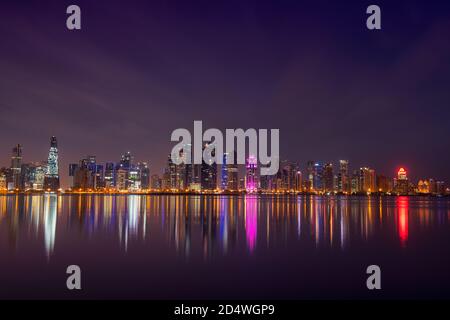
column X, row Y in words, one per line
column 144, row 174
column 16, row 163
column 288, row 176
column 318, row 177
column 251, row 178
column 155, row 182
column 224, row 177
column 367, row 180
column 109, row 175
column 328, row 178
column 172, row 172
column 134, row 182
column 209, row 173
column 343, row 183
column 51, row 181
column 126, row 160
column 232, row 172
column 383, row 184
column 298, row 181
column 402, row 183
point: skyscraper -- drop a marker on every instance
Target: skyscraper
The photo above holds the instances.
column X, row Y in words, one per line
column 126, row 160
column 367, row 180
column 343, row 183
column 155, row 182
column 51, row 181
column 224, row 177
column 251, row 178
column 109, row 175
column 209, row 173
column 144, row 174
column 16, row 164
column 232, row 172
column 318, row 177
column 402, row 185
column 298, row 181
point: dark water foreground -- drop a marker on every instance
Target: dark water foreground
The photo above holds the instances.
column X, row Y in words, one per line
column 224, row 247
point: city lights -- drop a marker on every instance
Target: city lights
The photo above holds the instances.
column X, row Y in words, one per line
column 129, row 177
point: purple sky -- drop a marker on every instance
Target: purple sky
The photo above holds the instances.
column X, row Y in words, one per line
column 140, row 69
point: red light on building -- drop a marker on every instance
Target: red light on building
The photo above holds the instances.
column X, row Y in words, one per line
column 401, row 174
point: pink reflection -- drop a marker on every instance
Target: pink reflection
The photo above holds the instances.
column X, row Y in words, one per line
column 402, row 206
column 251, row 221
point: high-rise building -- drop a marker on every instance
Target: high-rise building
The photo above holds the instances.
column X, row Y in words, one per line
column 298, row 181
column 229, row 179
column 121, row 179
column 310, row 178
column 251, row 178
column 109, row 175
column 383, row 184
column 16, row 167
column 287, row 176
column 402, row 183
column 134, row 181
column 99, row 177
column 440, row 187
column 224, row 177
column 144, row 175
column 343, row 183
column 166, row 180
column 155, row 182
column 355, row 182
column 328, row 177
column 126, row 160
column 318, row 177
column 267, row 183
column 209, row 172
column 73, row 168
column 3, row 181
column 196, row 177
column 32, row 176
column 423, row 186
column 367, row 180
column 51, row 181
column 173, row 174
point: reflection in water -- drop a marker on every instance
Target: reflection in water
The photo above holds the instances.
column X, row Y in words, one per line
column 402, row 205
column 50, row 214
column 251, row 221
column 215, row 224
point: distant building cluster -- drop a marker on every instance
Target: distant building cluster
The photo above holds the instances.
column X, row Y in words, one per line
column 127, row 176
column 34, row 176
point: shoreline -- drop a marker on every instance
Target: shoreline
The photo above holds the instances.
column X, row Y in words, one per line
column 168, row 193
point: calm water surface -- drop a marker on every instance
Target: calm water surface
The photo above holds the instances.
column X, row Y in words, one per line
column 189, row 247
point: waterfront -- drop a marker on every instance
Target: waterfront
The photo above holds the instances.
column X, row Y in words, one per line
column 180, row 246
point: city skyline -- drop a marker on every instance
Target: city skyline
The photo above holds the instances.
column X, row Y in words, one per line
column 378, row 98
column 130, row 175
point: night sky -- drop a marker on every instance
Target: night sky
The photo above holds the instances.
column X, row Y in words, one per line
column 140, row 69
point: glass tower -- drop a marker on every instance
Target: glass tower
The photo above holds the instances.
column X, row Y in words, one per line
column 51, row 182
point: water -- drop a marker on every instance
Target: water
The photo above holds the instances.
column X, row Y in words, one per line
column 224, row 247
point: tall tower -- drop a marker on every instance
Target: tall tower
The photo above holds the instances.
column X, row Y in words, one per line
column 251, row 181
column 51, row 181
column 209, row 172
column 16, row 164
column 224, row 178
column 343, row 178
